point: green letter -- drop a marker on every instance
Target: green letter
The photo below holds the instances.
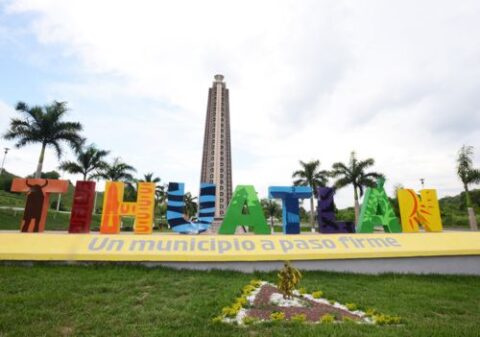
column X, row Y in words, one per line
column 244, row 210
column 376, row 211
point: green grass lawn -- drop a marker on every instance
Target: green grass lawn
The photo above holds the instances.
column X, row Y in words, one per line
column 113, row 300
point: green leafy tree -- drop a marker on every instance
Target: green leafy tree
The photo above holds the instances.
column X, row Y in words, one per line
column 190, row 205
column 310, row 175
column 46, row 175
column 271, row 209
column 88, row 162
column 354, row 173
column 468, row 175
column 304, row 215
column 44, row 125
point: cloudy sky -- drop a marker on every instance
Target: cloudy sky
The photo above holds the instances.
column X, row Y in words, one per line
column 398, row 81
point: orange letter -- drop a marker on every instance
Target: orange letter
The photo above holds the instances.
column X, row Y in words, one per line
column 114, row 207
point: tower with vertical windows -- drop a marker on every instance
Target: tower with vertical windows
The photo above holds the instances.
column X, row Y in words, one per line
column 217, row 155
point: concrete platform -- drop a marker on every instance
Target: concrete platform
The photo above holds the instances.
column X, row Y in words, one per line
column 443, row 253
column 458, row 265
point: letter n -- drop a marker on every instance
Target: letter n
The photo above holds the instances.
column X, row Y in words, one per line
column 423, row 211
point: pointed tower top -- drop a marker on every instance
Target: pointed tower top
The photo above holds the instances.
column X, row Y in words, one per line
column 218, row 78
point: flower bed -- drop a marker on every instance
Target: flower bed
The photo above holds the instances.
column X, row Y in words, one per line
column 261, row 301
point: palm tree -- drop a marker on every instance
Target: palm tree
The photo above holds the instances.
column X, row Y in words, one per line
column 44, row 125
column 310, row 175
column 88, row 162
column 190, row 205
column 117, row 171
column 271, row 209
column 354, row 173
column 149, row 178
column 468, row 175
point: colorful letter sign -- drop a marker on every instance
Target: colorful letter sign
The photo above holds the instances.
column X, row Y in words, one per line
column 244, row 210
column 114, row 207
column 82, row 207
column 176, row 204
column 290, row 207
column 38, row 193
column 326, row 214
column 415, row 211
column 376, row 211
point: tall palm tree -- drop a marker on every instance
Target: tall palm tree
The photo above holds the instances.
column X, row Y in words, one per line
column 468, row 175
column 354, row 173
column 149, row 178
column 119, row 171
column 89, row 160
column 309, row 175
column 44, row 125
column 271, row 209
column 116, row 171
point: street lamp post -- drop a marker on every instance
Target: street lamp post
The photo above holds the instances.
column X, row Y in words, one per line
column 6, row 149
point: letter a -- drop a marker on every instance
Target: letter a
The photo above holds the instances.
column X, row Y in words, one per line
column 376, row 211
column 244, row 210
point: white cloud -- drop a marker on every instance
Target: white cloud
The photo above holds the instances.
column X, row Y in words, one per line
column 392, row 80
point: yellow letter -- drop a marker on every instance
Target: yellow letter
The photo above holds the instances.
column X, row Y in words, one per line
column 415, row 211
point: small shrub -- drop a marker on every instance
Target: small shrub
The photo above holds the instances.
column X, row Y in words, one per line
column 288, row 279
column 247, row 289
column 382, row 319
column 327, row 318
column 231, row 311
column 299, row 318
column 351, row 306
column 248, row 320
column 217, row 320
column 277, row 316
column 317, row 294
column 347, row 319
column 256, row 283
column 242, row 300
column 302, row 291
column 371, row 312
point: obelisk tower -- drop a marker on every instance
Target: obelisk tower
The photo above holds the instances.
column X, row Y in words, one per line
column 217, row 155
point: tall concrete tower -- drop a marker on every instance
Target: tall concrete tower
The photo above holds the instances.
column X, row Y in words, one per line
column 217, row 154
